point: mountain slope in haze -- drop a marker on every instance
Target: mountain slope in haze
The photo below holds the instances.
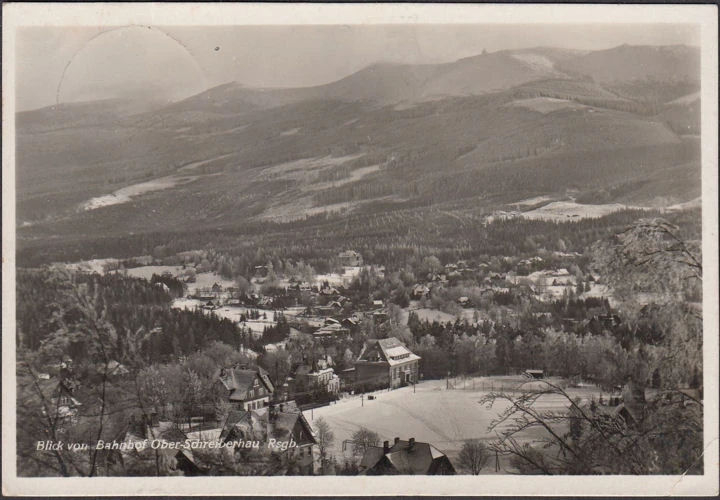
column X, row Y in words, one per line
column 498, row 126
column 629, row 62
column 81, row 114
column 388, row 83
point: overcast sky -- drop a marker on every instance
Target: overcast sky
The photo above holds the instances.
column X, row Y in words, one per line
column 175, row 62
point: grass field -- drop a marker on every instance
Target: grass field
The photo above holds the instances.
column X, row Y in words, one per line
column 430, row 413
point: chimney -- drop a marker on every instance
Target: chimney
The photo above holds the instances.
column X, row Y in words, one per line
column 386, row 446
column 411, row 444
column 397, row 440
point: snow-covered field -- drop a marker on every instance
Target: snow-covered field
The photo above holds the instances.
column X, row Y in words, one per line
column 688, row 205
column 600, row 291
column 126, row 194
column 563, row 211
column 335, row 279
column 425, row 313
column 207, row 280
column 202, row 280
column 431, row 413
column 355, row 175
column 532, row 201
column 92, row 266
column 546, row 105
column 435, row 315
column 146, row 272
column 232, row 313
column 301, row 169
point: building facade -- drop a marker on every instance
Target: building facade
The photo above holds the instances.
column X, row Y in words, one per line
column 247, row 389
column 386, row 363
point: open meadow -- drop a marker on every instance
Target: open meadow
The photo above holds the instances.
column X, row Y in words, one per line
column 432, row 413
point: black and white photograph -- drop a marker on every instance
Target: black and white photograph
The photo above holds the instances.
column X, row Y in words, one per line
column 476, row 241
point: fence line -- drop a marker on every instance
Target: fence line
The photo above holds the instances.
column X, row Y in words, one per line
column 472, row 384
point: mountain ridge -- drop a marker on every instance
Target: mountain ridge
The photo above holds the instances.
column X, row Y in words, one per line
column 494, row 126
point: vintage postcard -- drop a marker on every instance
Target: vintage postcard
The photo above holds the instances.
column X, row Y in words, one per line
column 294, row 249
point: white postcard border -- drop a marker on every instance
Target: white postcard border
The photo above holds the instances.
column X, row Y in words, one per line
column 93, row 14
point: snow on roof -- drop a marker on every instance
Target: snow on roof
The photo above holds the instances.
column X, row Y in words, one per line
column 410, row 357
column 393, row 351
column 435, row 452
column 397, row 351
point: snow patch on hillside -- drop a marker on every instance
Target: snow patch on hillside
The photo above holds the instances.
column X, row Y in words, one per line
column 546, row 105
column 535, row 61
column 126, row 194
column 561, row 211
column 687, row 99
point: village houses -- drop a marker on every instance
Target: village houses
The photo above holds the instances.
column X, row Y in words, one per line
column 405, row 457
column 279, row 429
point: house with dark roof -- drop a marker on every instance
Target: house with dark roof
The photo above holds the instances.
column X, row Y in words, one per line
column 331, row 332
column 386, row 363
column 247, row 389
column 170, row 439
column 629, row 406
column 405, row 458
column 279, row 429
column 352, row 324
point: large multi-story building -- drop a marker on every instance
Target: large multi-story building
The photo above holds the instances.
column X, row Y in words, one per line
column 386, row 363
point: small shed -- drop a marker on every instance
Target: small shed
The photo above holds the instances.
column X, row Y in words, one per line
column 534, row 374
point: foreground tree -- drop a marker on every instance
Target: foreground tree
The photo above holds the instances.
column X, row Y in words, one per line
column 473, row 456
column 587, row 438
column 656, row 275
column 99, row 351
column 363, row 439
column 325, row 439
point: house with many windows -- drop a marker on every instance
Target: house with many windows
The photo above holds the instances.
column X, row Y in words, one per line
column 321, row 377
column 247, row 389
column 386, row 363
